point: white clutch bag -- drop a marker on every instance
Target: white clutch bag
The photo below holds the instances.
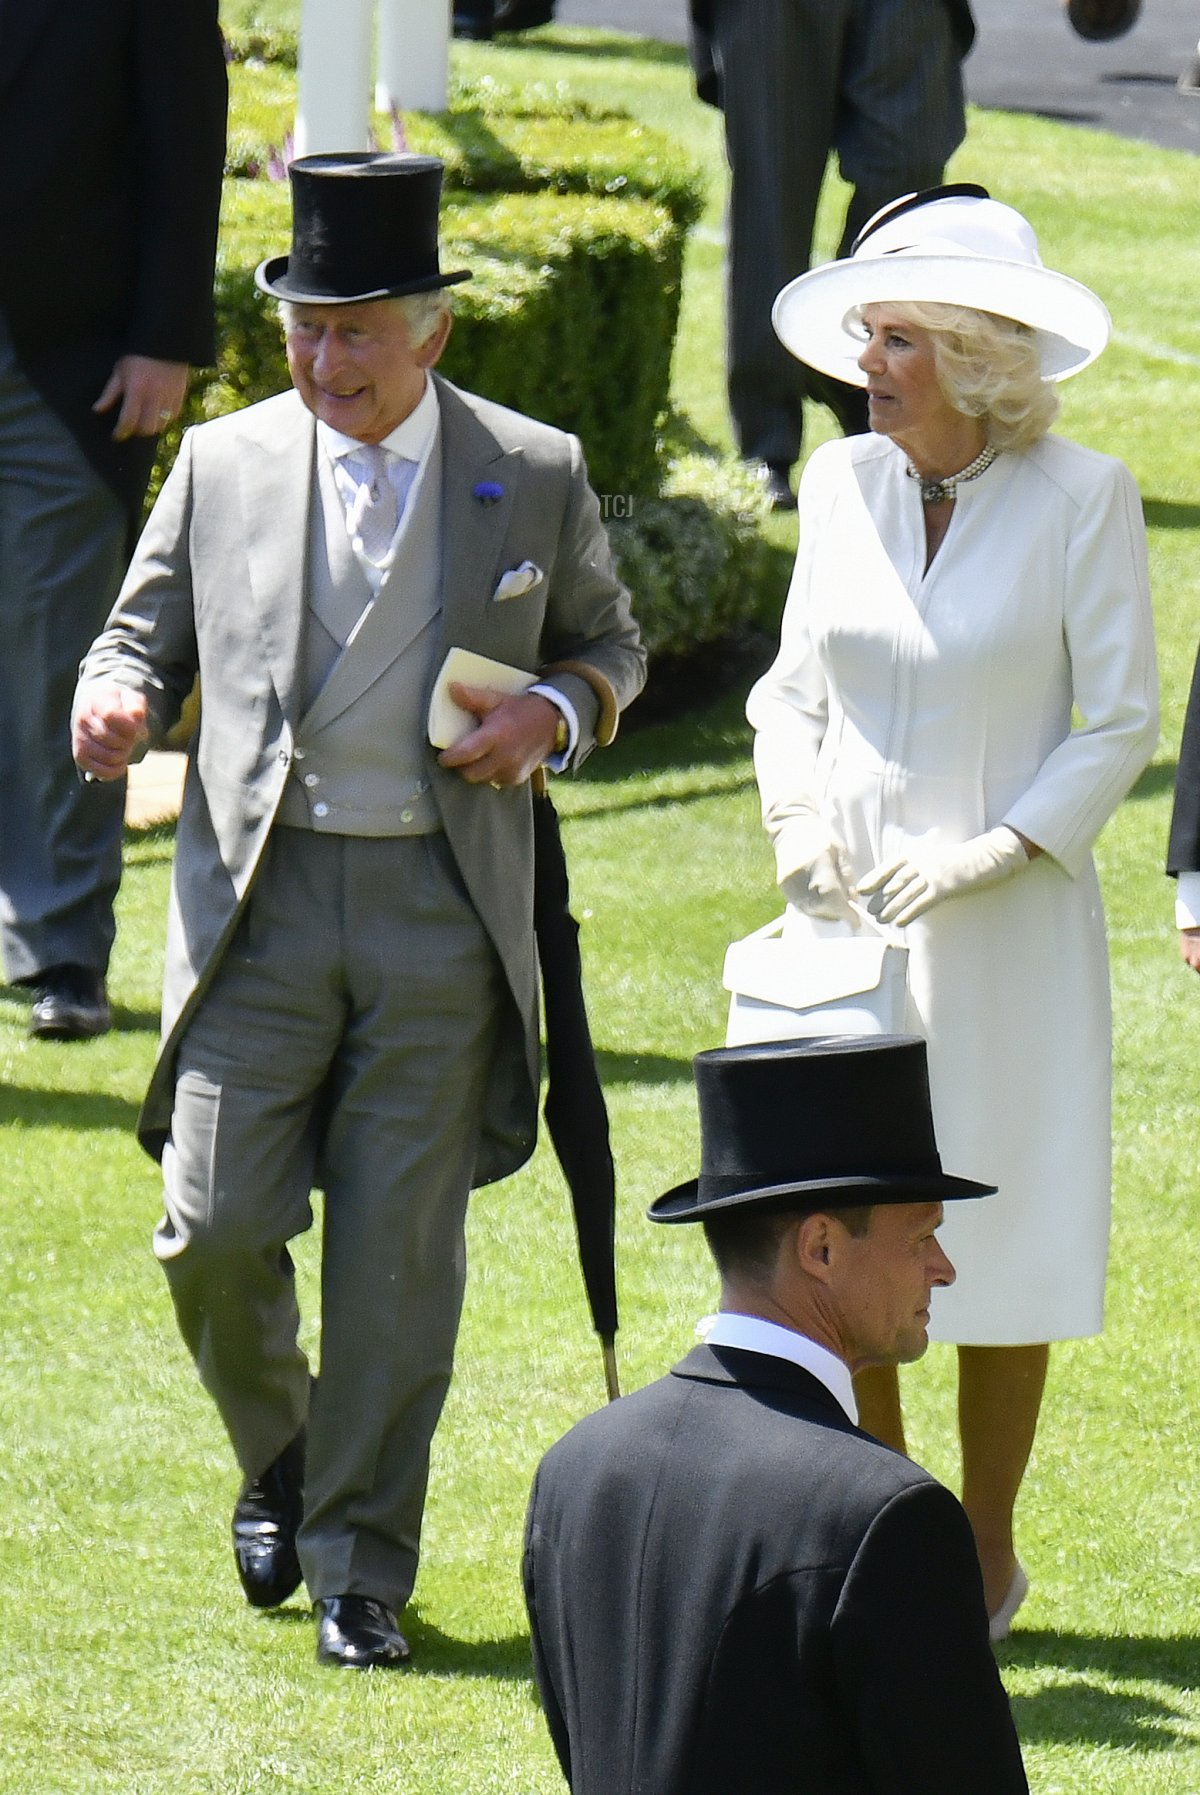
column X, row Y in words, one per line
column 798, row 977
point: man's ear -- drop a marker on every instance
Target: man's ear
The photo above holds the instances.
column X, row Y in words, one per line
column 430, row 351
column 812, row 1241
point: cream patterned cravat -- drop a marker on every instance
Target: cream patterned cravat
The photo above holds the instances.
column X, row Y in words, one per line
column 375, row 513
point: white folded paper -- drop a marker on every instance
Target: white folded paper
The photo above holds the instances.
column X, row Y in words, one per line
column 448, row 722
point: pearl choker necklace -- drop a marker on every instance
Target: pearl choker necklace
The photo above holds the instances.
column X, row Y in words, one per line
column 934, row 491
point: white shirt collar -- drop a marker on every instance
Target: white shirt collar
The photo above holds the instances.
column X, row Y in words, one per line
column 411, row 438
column 754, row 1334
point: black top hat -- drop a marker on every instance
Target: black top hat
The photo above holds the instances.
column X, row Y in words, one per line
column 829, row 1122
column 363, row 227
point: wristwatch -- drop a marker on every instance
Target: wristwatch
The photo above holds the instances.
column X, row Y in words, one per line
column 562, row 736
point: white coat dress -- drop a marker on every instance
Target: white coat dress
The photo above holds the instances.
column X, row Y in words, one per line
column 922, row 707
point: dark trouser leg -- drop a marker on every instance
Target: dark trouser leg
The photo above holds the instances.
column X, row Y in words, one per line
column 778, row 63
column 903, row 116
column 62, row 555
column 900, row 119
column 903, row 119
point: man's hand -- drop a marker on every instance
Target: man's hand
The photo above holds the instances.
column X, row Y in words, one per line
column 151, row 395
column 108, row 725
column 514, row 736
column 1189, row 947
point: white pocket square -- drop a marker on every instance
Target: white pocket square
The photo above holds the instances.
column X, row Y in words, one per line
column 517, row 582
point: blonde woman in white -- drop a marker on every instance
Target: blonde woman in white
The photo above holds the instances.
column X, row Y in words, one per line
column 964, row 692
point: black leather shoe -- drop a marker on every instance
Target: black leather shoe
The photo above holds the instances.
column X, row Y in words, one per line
column 358, row 1633
column 523, row 15
column 773, row 478
column 70, row 1004
column 266, row 1518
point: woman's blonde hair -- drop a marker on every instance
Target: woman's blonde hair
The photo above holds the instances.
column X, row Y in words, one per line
column 987, row 367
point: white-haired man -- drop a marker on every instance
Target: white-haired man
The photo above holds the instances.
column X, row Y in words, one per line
column 350, row 995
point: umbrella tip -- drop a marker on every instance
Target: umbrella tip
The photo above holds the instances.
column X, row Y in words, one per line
column 611, row 1382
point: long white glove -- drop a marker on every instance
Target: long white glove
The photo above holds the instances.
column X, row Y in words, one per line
column 899, row 891
column 818, row 881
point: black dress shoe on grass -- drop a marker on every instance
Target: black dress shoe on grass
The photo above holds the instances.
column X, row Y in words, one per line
column 358, row 1633
column 773, row 478
column 70, row 1004
column 266, row 1518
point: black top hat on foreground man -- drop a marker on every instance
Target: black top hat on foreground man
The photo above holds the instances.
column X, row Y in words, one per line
column 363, row 227
column 831, row 1121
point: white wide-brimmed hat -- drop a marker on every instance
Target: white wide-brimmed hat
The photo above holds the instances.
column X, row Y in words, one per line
column 951, row 246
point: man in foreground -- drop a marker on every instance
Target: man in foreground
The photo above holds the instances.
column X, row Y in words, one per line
column 733, row 1590
column 350, row 996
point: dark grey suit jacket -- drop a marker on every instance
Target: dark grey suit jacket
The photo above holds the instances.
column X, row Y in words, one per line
column 735, row 1592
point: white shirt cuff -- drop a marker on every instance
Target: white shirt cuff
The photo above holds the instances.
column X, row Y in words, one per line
column 556, row 762
column 1187, row 901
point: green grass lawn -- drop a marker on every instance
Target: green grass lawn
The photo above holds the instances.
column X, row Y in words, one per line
column 128, row 1661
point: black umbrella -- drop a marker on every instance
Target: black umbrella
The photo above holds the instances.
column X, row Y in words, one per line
column 575, row 1111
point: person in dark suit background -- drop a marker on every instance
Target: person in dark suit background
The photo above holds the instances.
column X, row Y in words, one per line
column 112, row 134
column 877, row 81
column 732, row 1589
column 1183, row 847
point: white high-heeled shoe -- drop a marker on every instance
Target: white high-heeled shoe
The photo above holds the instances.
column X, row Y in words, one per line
column 1000, row 1623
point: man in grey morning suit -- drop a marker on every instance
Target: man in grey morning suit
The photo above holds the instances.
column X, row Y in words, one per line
column 733, row 1590
column 877, row 81
column 350, row 993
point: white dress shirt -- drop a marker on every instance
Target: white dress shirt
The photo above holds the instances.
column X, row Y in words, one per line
column 408, row 447
column 753, row 1334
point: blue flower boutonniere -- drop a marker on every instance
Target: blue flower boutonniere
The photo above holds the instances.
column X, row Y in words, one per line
column 487, row 491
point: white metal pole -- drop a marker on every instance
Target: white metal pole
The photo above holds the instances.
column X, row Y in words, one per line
column 413, row 67
column 335, row 76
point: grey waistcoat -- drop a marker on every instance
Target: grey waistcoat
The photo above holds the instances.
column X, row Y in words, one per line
column 360, row 765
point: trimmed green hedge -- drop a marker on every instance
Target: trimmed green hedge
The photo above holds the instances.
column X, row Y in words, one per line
column 694, row 557
column 544, row 325
column 499, row 152
column 263, row 43
column 572, row 218
column 589, row 348
column 493, row 139
column 577, row 257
